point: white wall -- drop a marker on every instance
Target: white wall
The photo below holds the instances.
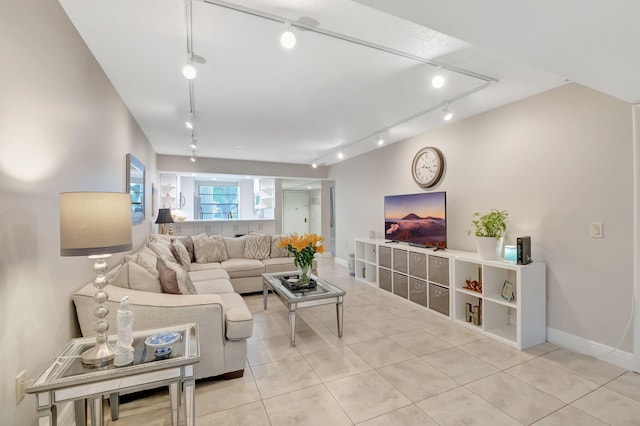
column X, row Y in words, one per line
column 62, row 128
column 556, row 161
column 315, row 212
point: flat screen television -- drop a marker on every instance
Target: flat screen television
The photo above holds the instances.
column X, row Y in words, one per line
column 419, row 219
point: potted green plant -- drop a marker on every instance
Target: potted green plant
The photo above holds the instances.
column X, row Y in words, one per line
column 490, row 229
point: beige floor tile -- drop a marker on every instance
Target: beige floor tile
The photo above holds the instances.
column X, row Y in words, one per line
column 460, row 365
column 394, row 325
column 311, row 406
column 267, row 329
column 358, row 331
column 252, row 414
column 310, row 341
column 553, row 380
column 407, row 416
column 495, row 353
column 218, row 395
column 329, row 318
column 336, row 363
column 589, row 368
column 420, row 342
column 416, row 379
column 366, row 395
column 382, row 351
column 569, row 416
column 427, row 318
column 153, row 410
column 454, row 334
column 541, row 349
column 518, row 399
column 269, row 350
column 610, row 407
column 369, row 312
column 283, row 376
column 628, row 385
column 462, row 407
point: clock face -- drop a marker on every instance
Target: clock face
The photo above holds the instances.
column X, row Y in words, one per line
column 427, row 167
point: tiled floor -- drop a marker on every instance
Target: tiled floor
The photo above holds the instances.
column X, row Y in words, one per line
column 398, row 364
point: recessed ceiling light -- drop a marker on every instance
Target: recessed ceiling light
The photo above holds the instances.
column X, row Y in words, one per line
column 437, row 81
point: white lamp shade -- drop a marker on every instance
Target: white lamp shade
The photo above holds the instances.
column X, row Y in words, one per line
column 94, row 223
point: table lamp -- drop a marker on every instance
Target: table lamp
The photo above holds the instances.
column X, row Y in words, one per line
column 96, row 224
column 164, row 217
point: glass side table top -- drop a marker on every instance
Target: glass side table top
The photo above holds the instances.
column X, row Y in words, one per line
column 67, row 369
column 322, row 290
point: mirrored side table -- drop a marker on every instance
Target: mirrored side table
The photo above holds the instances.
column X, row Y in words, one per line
column 67, row 379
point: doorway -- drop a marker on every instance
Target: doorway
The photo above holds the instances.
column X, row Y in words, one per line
column 295, row 212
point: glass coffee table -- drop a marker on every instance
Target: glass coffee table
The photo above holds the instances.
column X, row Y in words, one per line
column 324, row 293
column 67, row 379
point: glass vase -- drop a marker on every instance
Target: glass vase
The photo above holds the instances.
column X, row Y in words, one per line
column 304, row 273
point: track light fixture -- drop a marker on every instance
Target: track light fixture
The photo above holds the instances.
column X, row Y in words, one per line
column 379, row 140
column 446, row 113
column 189, row 71
column 193, row 156
column 340, row 155
column 314, row 165
column 194, row 144
column 288, row 38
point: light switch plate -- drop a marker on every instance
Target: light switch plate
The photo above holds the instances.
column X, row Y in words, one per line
column 596, row 230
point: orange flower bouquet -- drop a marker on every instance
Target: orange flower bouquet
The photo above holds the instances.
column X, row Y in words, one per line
column 303, row 247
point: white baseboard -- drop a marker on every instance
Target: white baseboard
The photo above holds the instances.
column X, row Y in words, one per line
column 588, row 347
column 341, row 262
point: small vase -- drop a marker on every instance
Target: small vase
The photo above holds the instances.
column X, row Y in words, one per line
column 304, row 273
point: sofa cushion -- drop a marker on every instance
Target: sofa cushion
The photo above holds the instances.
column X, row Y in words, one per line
column 209, row 248
column 238, row 318
column 276, row 250
column 188, row 244
column 204, row 266
column 237, row 268
column 214, row 286
column 257, row 246
column 208, row 274
column 136, row 277
column 235, row 247
column 174, row 278
column 278, row 264
column 180, row 253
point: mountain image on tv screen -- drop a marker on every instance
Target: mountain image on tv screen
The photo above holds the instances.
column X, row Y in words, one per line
column 416, row 218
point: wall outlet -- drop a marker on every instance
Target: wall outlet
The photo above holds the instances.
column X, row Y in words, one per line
column 596, row 230
column 21, row 385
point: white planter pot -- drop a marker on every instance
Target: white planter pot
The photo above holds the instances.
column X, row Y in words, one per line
column 489, row 248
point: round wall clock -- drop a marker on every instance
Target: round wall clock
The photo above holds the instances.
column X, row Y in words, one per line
column 427, row 167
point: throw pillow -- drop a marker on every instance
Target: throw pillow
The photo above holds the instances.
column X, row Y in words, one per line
column 136, row 277
column 209, row 249
column 276, row 250
column 146, row 258
column 257, row 247
column 188, row 244
column 180, row 252
column 174, row 278
column 163, row 251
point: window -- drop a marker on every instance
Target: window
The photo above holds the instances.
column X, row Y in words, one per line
column 218, row 201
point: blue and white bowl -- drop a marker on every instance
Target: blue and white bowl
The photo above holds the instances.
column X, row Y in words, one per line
column 161, row 343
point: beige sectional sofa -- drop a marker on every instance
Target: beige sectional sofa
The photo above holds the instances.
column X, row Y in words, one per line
column 192, row 279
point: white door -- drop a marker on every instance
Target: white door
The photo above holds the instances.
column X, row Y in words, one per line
column 295, row 212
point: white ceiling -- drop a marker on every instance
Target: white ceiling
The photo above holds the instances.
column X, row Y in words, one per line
column 257, row 101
